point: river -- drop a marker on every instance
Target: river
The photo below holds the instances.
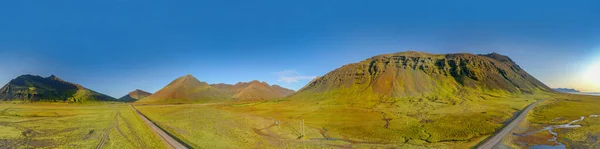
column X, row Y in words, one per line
column 551, row 129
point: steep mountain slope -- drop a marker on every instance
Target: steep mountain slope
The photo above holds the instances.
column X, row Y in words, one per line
column 282, row 91
column 421, row 74
column 49, row 89
column 135, row 95
column 412, row 98
column 187, row 89
column 256, row 90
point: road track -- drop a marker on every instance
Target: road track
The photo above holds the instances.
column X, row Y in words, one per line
column 170, row 141
column 492, row 141
column 106, row 132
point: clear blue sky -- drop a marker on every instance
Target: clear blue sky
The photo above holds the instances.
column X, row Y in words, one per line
column 116, row 46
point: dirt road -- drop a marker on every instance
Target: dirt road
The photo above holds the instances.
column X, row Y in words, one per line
column 170, row 141
column 491, row 142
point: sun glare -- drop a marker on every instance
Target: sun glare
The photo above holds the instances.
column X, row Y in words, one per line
column 592, row 74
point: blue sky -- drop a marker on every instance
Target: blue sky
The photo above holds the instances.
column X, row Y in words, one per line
column 116, row 46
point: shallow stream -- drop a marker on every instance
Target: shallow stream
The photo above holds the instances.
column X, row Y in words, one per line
column 551, row 129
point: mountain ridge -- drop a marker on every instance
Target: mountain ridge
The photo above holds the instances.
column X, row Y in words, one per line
column 414, row 73
column 35, row 88
column 188, row 89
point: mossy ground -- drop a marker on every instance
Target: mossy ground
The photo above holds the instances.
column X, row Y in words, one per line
column 45, row 125
column 561, row 109
column 366, row 120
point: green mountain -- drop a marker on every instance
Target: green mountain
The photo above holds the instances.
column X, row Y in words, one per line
column 135, row 96
column 50, row 89
column 418, row 74
column 413, row 97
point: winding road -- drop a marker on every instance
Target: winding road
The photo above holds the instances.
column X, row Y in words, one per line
column 491, row 142
column 170, row 141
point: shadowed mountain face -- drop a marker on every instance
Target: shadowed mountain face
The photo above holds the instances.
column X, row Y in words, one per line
column 49, row 89
column 135, row 96
column 420, row 74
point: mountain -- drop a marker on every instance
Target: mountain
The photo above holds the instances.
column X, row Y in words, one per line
column 50, row 89
column 419, row 74
column 135, row 95
column 565, row 90
column 187, row 89
column 255, row 90
column 414, row 97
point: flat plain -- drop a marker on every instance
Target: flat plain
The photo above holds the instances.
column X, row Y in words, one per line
column 412, row 123
column 59, row 125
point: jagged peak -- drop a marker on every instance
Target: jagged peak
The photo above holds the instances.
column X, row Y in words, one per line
column 53, row 77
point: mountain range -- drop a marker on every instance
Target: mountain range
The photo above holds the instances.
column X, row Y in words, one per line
column 188, row 89
column 397, row 75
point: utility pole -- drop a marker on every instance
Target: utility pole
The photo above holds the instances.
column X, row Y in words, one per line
column 302, row 128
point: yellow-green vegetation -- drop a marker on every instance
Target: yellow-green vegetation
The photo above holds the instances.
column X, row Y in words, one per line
column 377, row 122
column 203, row 126
column 565, row 108
column 46, row 125
column 216, row 126
column 425, row 121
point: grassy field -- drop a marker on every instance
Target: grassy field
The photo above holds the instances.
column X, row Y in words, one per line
column 404, row 123
column 73, row 126
column 558, row 110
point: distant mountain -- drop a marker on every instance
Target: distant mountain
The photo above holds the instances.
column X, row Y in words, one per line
column 187, row 89
column 50, row 89
column 419, row 74
column 565, row 90
column 135, row 96
column 255, row 90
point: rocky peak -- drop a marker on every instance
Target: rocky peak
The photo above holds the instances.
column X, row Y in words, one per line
column 499, row 57
column 53, row 77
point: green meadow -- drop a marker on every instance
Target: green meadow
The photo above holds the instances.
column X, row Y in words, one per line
column 362, row 121
column 59, row 125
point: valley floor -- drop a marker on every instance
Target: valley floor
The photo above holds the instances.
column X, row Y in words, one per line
column 277, row 124
column 73, row 126
column 409, row 123
column 581, row 112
